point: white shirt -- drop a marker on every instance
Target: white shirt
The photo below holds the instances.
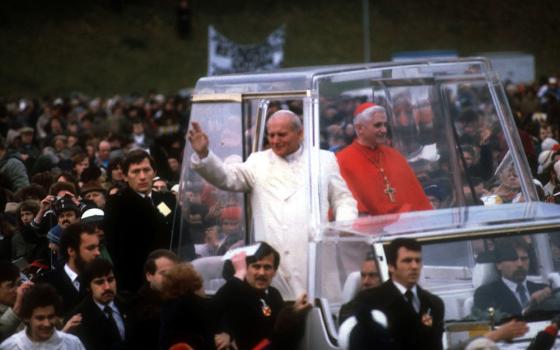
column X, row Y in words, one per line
column 58, row 341
column 513, row 287
column 73, row 277
column 415, row 298
column 116, row 315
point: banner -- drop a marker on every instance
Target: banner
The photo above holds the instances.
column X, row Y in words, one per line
column 225, row 56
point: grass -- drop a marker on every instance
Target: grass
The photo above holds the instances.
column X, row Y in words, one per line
column 62, row 46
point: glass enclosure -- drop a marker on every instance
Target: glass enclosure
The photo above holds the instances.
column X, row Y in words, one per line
column 449, row 120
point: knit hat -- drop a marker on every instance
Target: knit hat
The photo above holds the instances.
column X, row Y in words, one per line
column 231, row 213
column 369, row 107
column 545, row 159
column 548, row 143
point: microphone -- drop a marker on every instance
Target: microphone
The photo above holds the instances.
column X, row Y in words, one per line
column 545, row 339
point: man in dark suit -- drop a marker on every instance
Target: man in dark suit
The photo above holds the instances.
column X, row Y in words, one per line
column 104, row 323
column 511, row 293
column 250, row 311
column 79, row 245
column 145, row 307
column 415, row 316
column 138, row 220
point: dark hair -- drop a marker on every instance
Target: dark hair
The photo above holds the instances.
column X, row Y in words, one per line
column 99, row 267
column 8, row 271
column 3, row 144
column 28, row 205
column 150, row 264
column 62, row 186
column 44, row 179
column 113, row 164
column 506, row 249
column 33, row 191
column 264, row 250
column 78, row 157
column 135, row 157
column 72, row 236
column 393, row 248
column 39, row 295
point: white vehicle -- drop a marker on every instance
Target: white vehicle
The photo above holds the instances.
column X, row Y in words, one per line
column 449, row 118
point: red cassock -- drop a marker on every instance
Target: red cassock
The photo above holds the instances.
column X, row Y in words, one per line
column 360, row 167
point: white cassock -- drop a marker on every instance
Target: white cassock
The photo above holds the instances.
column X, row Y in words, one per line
column 279, row 201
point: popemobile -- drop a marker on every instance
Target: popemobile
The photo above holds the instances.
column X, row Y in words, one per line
column 450, row 121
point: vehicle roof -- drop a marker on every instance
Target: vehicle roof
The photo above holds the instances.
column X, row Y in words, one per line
column 301, row 78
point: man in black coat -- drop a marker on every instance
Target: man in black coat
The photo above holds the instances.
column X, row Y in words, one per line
column 79, row 245
column 138, row 220
column 415, row 316
column 146, row 306
column 250, row 311
column 512, row 292
column 104, row 324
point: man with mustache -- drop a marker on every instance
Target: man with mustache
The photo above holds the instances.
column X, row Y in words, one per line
column 104, row 315
column 512, row 292
column 250, row 311
column 39, row 309
column 79, row 245
column 378, row 176
column 414, row 316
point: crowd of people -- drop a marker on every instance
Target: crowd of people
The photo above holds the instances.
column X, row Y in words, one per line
column 88, row 199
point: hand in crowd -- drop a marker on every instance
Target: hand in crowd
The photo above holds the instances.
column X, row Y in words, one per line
column 19, row 296
column 198, row 139
column 301, row 303
column 541, row 295
column 508, row 331
column 47, row 202
column 240, row 265
column 223, row 342
column 72, row 323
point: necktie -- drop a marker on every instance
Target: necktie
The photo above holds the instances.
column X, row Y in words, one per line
column 109, row 313
column 410, row 298
column 522, row 292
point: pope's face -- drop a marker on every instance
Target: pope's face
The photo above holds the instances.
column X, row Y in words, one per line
column 282, row 137
column 373, row 131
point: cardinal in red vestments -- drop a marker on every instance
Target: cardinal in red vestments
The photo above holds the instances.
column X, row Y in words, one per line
column 378, row 176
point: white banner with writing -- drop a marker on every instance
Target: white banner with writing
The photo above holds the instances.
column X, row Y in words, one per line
column 225, row 56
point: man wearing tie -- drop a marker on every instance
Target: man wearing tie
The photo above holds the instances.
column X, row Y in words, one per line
column 414, row 316
column 512, row 292
column 104, row 324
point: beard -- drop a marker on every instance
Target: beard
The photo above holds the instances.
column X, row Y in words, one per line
column 80, row 264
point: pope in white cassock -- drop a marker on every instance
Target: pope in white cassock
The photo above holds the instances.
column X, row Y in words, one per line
column 275, row 179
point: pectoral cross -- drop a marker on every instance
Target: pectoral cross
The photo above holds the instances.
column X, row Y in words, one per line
column 389, row 191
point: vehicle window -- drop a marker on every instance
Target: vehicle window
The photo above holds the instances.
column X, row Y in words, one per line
column 216, row 219
column 447, row 130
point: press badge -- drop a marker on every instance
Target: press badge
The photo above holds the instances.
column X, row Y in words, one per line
column 164, row 209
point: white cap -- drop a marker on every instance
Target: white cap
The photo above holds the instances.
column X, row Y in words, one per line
column 93, row 215
column 548, row 143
